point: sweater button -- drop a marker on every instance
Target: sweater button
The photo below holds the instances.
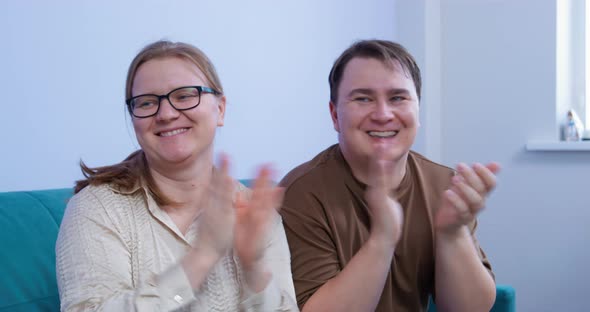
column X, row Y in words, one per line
column 178, row 299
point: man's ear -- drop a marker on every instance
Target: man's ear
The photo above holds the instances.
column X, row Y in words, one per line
column 418, row 117
column 334, row 115
column 221, row 109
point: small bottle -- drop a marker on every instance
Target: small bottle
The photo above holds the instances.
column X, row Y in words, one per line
column 571, row 131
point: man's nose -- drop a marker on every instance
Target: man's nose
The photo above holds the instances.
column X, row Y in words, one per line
column 382, row 112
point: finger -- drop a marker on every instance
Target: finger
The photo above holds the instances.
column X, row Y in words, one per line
column 444, row 217
column 494, row 167
column 244, row 206
column 241, row 200
column 488, row 174
column 472, row 198
column 461, row 208
column 221, row 189
column 272, row 201
column 264, row 177
column 265, row 197
column 223, row 163
column 471, row 178
column 447, row 214
column 221, row 179
column 261, row 186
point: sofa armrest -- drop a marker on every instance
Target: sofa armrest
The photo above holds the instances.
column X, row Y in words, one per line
column 505, row 300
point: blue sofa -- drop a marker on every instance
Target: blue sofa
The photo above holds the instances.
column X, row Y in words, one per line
column 29, row 223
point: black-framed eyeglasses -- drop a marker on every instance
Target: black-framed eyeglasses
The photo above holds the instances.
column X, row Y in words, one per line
column 183, row 98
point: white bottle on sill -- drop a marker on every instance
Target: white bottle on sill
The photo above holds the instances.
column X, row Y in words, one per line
column 571, row 130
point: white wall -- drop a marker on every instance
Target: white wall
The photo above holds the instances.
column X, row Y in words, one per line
column 497, row 78
column 418, row 25
column 63, row 66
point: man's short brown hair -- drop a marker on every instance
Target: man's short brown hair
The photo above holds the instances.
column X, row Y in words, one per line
column 385, row 51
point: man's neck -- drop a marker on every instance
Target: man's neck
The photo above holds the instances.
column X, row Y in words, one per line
column 360, row 169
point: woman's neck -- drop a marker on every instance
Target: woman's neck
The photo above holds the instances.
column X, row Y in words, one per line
column 185, row 183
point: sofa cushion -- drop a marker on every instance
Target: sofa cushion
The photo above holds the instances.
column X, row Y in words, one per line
column 29, row 223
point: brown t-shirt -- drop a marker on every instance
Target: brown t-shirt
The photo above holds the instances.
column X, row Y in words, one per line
column 326, row 221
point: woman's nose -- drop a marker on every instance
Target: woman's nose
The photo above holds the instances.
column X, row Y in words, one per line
column 166, row 111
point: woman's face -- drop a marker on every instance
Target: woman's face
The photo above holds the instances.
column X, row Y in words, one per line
column 174, row 137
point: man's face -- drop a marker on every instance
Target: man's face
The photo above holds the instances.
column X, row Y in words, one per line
column 376, row 109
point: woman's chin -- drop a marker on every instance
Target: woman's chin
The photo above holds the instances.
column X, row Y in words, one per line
column 173, row 158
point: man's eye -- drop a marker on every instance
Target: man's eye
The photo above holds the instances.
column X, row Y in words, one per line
column 397, row 98
column 362, row 99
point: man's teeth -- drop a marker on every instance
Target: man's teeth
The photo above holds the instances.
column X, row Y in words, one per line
column 173, row 132
column 382, row 134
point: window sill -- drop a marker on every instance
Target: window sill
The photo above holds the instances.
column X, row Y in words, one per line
column 558, row 146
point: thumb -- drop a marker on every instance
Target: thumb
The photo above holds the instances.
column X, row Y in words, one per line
column 445, row 213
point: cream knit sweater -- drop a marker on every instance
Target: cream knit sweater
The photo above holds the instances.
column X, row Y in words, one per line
column 118, row 251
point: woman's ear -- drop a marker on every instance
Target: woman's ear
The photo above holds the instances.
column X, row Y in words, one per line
column 221, row 110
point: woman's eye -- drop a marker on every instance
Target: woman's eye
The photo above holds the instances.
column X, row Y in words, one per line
column 145, row 104
column 185, row 96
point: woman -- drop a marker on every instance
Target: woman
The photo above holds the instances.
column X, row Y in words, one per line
column 165, row 230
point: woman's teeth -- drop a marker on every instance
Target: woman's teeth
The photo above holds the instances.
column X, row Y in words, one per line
column 173, row 132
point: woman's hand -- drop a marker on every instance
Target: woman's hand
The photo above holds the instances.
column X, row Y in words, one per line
column 255, row 213
column 215, row 231
column 216, row 227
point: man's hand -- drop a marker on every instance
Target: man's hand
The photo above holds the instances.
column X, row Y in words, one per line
column 386, row 213
column 466, row 197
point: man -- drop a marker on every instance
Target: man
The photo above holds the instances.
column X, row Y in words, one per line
column 373, row 226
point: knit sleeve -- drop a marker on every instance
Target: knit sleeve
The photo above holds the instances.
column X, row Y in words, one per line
column 279, row 294
column 94, row 255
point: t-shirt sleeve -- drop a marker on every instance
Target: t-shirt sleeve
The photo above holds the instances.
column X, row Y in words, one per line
column 314, row 258
column 93, row 266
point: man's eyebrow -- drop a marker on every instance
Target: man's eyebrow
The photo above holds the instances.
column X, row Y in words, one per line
column 394, row 91
column 360, row 90
column 399, row 91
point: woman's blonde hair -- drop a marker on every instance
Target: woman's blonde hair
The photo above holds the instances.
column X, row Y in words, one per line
column 126, row 174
